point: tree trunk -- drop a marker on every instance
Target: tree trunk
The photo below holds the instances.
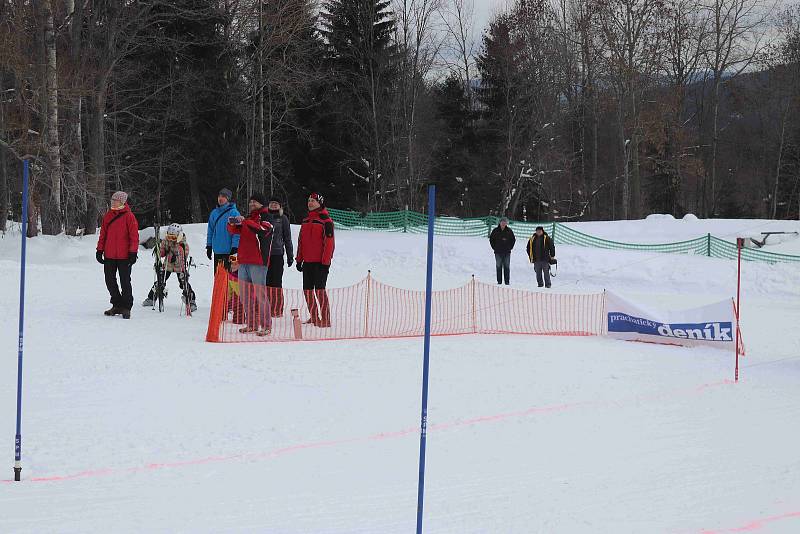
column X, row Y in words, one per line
column 774, row 210
column 271, row 147
column 633, row 155
column 626, row 173
column 97, row 142
column 261, row 134
column 76, row 205
column 52, row 217
column 711, row 204
column 4, row 200
column 194, row 198
column 33, row 212
column 375, row 164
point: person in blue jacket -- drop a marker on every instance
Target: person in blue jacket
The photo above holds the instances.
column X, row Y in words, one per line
column 219, row 242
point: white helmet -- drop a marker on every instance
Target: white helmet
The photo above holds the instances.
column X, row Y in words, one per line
column 176, row 230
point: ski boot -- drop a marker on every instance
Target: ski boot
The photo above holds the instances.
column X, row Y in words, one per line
column 264, row 331
column 192, row 305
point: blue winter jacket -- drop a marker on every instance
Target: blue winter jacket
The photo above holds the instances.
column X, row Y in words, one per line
column 218, row 237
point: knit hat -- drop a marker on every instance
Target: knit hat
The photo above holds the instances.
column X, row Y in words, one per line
column 258, row 197
column 319, row 198
column 273, row 198
column 120, row 196
column 224, row 192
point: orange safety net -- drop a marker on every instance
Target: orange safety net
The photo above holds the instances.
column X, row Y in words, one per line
column 369, row 309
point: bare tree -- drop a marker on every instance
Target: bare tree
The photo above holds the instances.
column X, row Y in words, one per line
column 735, row 39
column 632, row 45
column 783, row 63
column 52, row 217
column 75, row 177
column 4, row 196
column 685, row 28
column 458, row 17
column 418, row 44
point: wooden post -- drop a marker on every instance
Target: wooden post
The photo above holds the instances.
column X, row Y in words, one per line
column 474, row 309
column 366, row 305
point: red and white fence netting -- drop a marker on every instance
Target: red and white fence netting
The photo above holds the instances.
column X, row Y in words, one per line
column 369, row 309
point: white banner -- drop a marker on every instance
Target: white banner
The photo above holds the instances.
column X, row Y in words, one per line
column 711, row 325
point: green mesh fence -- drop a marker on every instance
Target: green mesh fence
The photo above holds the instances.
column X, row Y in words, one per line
column 417, row 223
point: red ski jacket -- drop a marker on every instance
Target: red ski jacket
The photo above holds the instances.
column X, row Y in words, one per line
column 256, row 238
column 119, row 234
column 316, row 242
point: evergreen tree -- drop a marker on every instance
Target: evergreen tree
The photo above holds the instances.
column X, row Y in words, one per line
column 361, row 61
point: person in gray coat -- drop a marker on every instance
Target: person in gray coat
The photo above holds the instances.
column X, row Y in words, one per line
column 281, row 242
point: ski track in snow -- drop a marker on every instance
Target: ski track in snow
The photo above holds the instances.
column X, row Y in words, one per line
column 536, row 410
column 140, row 426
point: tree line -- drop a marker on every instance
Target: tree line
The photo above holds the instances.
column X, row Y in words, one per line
column 558, row 110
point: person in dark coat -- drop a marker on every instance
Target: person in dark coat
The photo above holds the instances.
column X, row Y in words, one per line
column 117, row 250
column 502, row 242
column 314, row 256
column 281, row 242
column 253, row 257
column 541, row 252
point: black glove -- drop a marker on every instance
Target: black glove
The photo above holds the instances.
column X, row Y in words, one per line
column 234, row 251
column 132, row 257
column 99, row 256
column 289, row 261
column 299, row 266
column 208, row 252
column 325, row 268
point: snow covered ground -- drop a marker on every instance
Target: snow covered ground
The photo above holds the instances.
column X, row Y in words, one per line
column 140, row 426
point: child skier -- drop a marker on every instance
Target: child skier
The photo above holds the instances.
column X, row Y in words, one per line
column 174, row 251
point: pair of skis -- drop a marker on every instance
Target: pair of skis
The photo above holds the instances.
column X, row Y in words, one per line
column 160, row 284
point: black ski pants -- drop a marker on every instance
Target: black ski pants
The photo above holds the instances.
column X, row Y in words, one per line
column 275, row 284
column 119, row 299
column 183, row 282
column 224, row 259
column 315, row 278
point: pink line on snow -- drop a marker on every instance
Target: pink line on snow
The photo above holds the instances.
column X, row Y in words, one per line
column 556, row 408
column 757, row 524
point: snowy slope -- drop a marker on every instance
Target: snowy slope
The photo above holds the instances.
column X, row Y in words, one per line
column 140, row 426
column 659, row 228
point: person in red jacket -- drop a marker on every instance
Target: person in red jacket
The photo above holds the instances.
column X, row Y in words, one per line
column 255, row 242
column 314, row 255
column 116, row 250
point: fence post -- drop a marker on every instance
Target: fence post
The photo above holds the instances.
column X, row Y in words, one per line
column 474, row 309
column 405, row 220
column 366, row 307
column 555, row 225
column 708, row 245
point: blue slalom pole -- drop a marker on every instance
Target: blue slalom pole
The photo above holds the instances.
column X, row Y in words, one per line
column 426, row 359
column 18, row 438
